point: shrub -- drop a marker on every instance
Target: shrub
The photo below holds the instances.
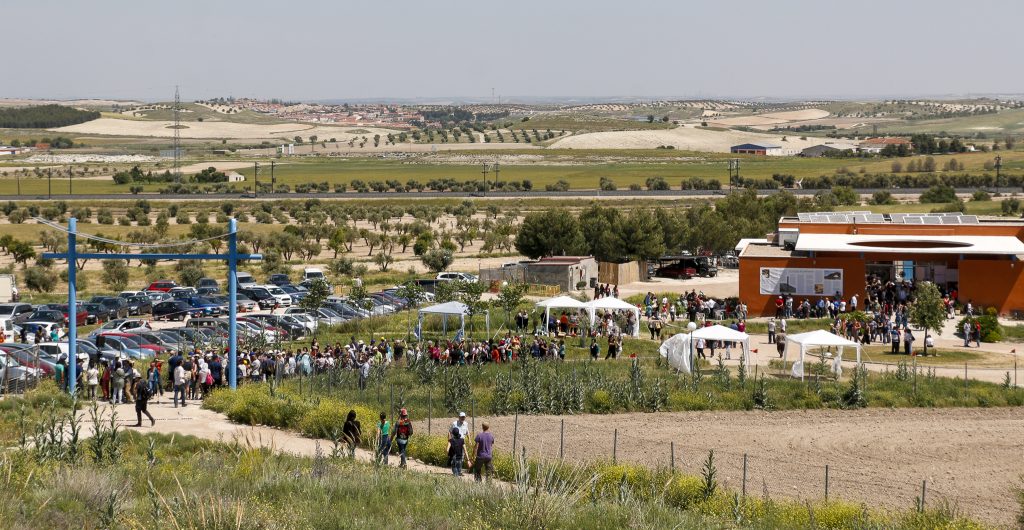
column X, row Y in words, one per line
column 938, row 193
column 991, row 331
column 600, row 401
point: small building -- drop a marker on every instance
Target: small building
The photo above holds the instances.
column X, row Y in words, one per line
column 829, row 255
column 757, row 149
column 234, row 176
column 567, row 272
column 6, row 150
column 818, row 151
column 876, row 145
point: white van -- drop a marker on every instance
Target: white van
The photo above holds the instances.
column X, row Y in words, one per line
column 313, row 273
column 244, row 279
column 7, row 328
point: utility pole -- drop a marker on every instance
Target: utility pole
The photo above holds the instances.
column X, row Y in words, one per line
column 17, row 174
column 255, row 179
column 998, row 166
column 71, row 177
column 497, row 170
column 485, row 170
column 49, row 183
column 273, row 181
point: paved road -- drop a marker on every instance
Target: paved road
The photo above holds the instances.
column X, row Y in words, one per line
column 619, row 194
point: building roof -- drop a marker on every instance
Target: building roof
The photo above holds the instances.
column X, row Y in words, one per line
column 756, row 146
column 764, row 250
column 742, row 245
column 886, row 141
column 912, row 244
column 561, row 260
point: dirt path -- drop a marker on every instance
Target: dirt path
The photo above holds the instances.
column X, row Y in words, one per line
column 970, row 457
column 193, row 420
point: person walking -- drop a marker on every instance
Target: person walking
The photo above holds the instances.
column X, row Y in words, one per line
column 461, row 425
column 92, row 377
column 595, row 349
column 117, row 386
column 895, row 338
column 908, row 340
column 352, row 432
column 142, row 395
column 771, row 331
column 780, row 344
column 403, row 431
column 384, row 443
column 457, row 451
column 483, row 454
column 180, row 377
column 967, row 333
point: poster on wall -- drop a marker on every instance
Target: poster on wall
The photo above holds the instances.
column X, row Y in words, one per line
column 801, row 282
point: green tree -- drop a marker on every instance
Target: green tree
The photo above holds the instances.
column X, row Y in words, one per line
column 40, row 280
column 383, row 260
column 509, row 297
column 928, row 310
column 554, row 232
column 21, row 251
column 115, row 274
column 437, row 259
column 316, row 294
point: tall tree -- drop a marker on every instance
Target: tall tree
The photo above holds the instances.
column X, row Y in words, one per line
column 554, row 232
column 928, row 310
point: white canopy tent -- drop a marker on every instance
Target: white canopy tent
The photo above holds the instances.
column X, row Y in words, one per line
column 719, row 332
column 611, row 303
column 445, row 310
column 677, row 351
column 558, row 302
column 819, row 337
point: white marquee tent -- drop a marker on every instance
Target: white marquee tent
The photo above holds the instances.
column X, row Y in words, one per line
column 558, row 302
column 449, row 309
column 819, row 337
column 719, row 332
column 676, row 350
column 611, row 303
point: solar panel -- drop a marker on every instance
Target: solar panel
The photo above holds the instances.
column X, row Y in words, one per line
column 838, row 219
column 969, row 220
column 819, row 218
column 804, row 217
column 950, row 220
column 897, row 217
column 875, row 218
column 931, row 220
column 913, row 220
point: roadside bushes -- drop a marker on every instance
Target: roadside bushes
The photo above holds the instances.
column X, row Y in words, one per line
column 991, row 331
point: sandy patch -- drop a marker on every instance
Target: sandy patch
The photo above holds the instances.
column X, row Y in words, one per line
column 970, row 457
column 211, row 129
column 774, row 118
column 686, row 138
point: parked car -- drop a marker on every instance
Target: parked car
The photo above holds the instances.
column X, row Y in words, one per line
column 244, row 279
column 297, row 292
column 323, row 316
column 122, row 325
column 47, row 315
column 129, row 294
column 125, row 346
column 142, row 341
column 13, row 372
column 81, row 318
column 162, row 285
column 175, row 310
column 461, row 276
column 32, row 356
column 95, row 313
column 260, row 295
column 207, row 291
column 208, row 307
column 157, row 296
column 283, row 299
column 207, row 283
column 116, row 306
column 139, row 305
column 43, row 329
column 15, row 310
column 183, row 292
column 291, row 328
column 279, row 279
column 313, row 273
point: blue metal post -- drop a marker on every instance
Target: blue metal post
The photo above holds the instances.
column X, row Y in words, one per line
column 232, row 303
column 72, row 308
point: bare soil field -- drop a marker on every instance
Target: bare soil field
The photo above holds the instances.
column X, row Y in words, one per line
column 969, row 457
column 774, row 118
column 687, row 138
column 211, row 129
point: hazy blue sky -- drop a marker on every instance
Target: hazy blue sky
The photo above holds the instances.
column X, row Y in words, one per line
column 335, row 49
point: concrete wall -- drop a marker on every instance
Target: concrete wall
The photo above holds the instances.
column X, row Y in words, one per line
column 565, row 276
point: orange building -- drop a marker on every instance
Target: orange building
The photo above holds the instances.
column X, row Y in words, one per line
column 828, row 255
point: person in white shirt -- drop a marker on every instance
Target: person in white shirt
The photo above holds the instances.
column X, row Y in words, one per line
column 92, row 376
column 461, row 425
column 179, row 386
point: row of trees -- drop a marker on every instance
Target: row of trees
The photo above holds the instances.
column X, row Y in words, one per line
column 44, row 117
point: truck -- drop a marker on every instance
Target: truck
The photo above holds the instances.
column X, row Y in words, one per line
column 8, row 289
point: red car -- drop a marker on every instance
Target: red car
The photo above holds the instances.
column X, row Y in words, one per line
column 162, row 286
column 81, row 316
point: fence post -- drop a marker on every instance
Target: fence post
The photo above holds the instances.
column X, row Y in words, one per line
column 744, row 474
column 430, row 407
column 826, row 482
column 915, row 376
column 672, row 456
column 615, row 446
column 924, row 489
column 515, row 433
column 1015, row 370
column 561, row 441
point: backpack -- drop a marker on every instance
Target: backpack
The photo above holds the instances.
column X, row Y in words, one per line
column 142, row 392
column 404, row 430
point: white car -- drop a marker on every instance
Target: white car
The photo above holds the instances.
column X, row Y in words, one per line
column 462, row 276
column 129, row 294
column 283, row 299
column 123, row 325
column 11, row 370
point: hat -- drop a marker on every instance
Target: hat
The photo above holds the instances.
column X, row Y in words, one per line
column 403, row 412
column 462, row 414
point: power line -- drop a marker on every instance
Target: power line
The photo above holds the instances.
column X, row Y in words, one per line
column 116, row 242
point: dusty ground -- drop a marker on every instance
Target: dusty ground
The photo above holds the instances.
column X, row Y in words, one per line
column 687, row 138
column 774, row 118
column 970, row 457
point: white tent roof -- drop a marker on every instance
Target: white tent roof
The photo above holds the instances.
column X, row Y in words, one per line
column 719, row 332
column 561, row 301
column 610, row 302
column 447, row 308
column 820, row 337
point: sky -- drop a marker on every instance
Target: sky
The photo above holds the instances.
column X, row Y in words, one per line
column 462, row 49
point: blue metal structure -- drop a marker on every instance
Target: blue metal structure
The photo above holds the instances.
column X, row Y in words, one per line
column 232, row 257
